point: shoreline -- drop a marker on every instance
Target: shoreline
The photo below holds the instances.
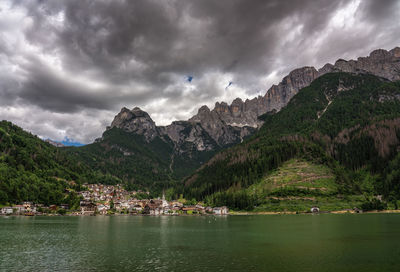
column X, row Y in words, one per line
column 233, row 213
column 111, row 215
column 322, row 212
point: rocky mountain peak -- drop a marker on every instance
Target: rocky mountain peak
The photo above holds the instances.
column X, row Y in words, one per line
column 279, row 95
column 137, row 112
column 220, row 125
column 136, row 121
column 202, row 114
column 237, row 101
column 395, row 52
column 380, row 63
column 203, row 109
column 379, row 54
column 221, row 107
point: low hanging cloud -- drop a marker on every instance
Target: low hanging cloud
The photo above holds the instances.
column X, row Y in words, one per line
column 68, row 66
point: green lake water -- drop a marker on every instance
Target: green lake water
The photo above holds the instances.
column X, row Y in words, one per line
column 366, row 242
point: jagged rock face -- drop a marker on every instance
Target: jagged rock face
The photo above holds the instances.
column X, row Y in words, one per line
column 136, row 121
column 244, row 115
column 237, row 115
column 279, row 95
column 220, row 122
column 187, row 135
column 380, row 62
column 206, row 133
column 211, row 123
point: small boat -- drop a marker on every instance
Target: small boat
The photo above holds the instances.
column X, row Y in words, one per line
column 29, row 214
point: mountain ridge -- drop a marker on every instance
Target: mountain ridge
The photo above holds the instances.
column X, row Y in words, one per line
column 239, row 113
column 380, row 62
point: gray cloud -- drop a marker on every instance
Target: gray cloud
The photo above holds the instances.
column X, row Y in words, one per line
column 75, row 60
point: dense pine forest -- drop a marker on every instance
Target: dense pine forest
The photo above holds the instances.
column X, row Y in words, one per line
column 34, row 170
column 136, row 163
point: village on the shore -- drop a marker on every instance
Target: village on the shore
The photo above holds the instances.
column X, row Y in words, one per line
column 99, row 199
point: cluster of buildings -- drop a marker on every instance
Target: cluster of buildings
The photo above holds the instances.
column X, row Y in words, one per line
column 106, row 193
column 148, row 207
column 106, row 199
column 110, row 199
column 29, row 208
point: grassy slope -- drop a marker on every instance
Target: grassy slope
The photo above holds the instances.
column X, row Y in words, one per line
column 311, row 184
column 298, row 173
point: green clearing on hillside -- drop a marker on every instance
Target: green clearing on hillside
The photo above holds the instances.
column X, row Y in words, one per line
column 297, row 186
column 297, row 174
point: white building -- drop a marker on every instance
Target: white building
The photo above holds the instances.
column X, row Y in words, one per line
column 6, row 210
column 220, row 210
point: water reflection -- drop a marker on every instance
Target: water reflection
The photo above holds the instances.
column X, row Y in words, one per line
column 207, row 243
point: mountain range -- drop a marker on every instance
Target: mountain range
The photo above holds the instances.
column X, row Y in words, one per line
column 343, row 116
column 229, row 124
column 188, row 144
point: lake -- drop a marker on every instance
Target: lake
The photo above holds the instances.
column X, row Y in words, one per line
column 329, row 242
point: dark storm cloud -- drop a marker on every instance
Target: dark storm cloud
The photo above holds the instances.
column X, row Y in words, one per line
column 380, row 10
column 172, row 36
column 79, row 56
column 48, row 90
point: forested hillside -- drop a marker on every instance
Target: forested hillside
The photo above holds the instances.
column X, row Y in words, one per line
column 140, row 165
column 147, row 157
column 33, row 170
column 349, row 123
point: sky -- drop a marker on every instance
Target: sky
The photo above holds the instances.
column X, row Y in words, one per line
column 67, row 67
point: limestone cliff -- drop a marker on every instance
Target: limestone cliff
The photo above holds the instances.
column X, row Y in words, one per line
column 380, row 63
column 136, row 121
column 206, row 133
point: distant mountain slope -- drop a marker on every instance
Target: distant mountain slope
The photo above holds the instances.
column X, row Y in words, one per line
column 139, row 163
column 54, row 143
column 348, row 122
column 147, row 156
